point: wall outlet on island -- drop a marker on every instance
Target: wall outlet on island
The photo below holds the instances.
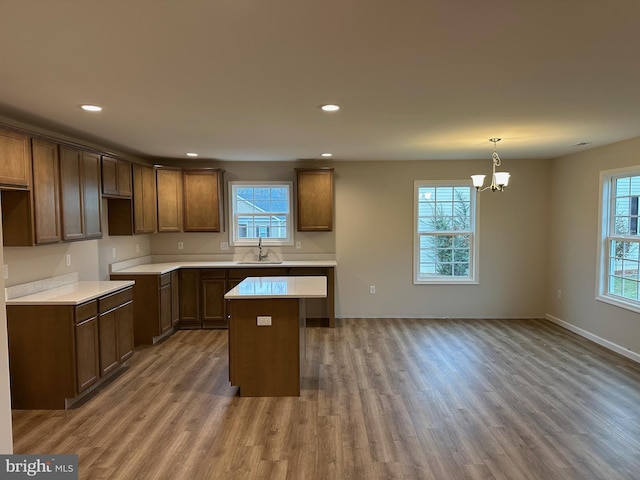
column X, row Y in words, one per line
column 264, row 321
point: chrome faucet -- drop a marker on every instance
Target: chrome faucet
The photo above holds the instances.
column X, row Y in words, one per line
column 261, row 256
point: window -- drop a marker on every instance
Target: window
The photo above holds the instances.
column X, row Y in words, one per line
column 619, row 241
column 260, row 210
column 445, row 241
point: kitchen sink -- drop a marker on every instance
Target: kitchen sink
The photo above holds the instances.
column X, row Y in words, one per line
column 257, row 262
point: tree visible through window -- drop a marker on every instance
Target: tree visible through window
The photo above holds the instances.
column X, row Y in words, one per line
column 445, row 233
column 260, row 210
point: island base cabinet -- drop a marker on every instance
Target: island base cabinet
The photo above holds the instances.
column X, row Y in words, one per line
column 265, row 361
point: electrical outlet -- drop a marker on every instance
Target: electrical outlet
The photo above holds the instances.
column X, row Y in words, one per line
column 113, row 252
column 224, row 245
column 137, row 248
column 180, row 245
column 372, row 290
column 559, row 294
column 68, row 260
column 264, row 321
column 6, row 271
column 298, row 245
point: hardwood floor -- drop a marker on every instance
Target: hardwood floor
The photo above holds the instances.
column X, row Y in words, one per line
column 381, row 398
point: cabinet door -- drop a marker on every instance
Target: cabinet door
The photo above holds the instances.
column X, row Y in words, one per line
column 109, row 167
column 175, row 298
column 165, row 308
column 123, row 174
column 315, row 199
column 71, row 197
column 108, row 329
column 87, row 361
column 124, row 316
column 189, row 299
column 15, row 159
column 46, row 188
column 144, row 199
column 202, row 192
column 91, row 200
column 169, row 185
column 213, row 303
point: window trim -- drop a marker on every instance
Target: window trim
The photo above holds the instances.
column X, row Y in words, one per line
column 233, row 226
column 473, row 278
column 605, row 234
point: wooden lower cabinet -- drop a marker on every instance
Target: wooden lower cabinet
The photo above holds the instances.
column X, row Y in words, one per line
column 57, row 353
column 153, row 309
column 213, row 286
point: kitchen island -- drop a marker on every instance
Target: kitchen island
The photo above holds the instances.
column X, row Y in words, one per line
column 267, row 333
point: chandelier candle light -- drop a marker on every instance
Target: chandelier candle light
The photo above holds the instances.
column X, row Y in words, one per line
column 499, row 180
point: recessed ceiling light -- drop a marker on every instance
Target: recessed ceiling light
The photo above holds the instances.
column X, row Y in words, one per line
column 191, row 154
column 330, row 108
column 327, row 154
column 91, row 108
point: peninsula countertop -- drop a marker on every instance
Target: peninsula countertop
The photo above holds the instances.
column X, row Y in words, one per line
column 71, row 294
column 279, row 287
column 166, row 267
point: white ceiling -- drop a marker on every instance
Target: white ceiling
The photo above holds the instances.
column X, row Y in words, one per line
column 243, row 79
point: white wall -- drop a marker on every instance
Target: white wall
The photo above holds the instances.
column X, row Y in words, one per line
column 374, row 242
column 573, row 228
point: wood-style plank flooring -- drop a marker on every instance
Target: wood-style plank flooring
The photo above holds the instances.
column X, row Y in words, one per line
column 381, row 399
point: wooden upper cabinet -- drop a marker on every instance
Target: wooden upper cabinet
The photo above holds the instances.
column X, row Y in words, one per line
column 315, row 199
column 116, row 177
column 202, row 193
column 46, row 191
column 144, row 199
column 169, row 188
column 15, row 160
column 80, row 194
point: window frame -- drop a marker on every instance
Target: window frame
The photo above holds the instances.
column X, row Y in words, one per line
column 473, row 277
column 607, row 234
column 236, row 241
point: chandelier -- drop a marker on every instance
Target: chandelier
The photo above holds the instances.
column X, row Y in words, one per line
column 499, row 180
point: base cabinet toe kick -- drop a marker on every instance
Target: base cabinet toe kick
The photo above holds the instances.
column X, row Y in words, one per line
column 267, row 333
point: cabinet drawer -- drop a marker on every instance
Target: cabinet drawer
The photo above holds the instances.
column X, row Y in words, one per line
column 115, row 299
column 86, row 311
column 165, row 279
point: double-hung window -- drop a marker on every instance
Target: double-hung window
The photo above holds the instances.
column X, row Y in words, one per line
column 261, row 210
column 619, row 241
column 445, row 240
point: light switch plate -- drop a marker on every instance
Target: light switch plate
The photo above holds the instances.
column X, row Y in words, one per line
column 264, row 321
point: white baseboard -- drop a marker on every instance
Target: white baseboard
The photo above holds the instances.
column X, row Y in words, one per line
column 596, row 339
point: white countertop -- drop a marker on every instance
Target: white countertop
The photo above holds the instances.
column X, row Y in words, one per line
column 161, row 268
column 71, row 294
column 279, row 287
